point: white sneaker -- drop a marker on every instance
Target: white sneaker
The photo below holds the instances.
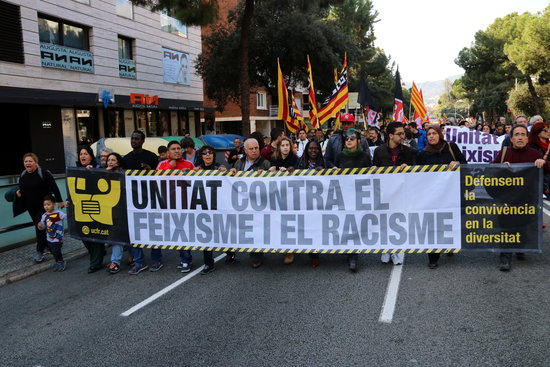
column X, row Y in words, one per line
column 385, row 258
column 397, row 258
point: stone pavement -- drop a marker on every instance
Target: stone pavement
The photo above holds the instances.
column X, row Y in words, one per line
column 17, row 264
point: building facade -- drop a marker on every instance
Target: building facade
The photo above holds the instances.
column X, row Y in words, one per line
column 74, row 71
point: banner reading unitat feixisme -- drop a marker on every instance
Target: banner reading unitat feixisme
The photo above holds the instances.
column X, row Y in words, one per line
column 385, row 209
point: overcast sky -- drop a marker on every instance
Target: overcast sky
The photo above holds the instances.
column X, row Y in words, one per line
column 425, row 36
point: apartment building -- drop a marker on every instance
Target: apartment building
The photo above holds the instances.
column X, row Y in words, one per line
column 74, row 71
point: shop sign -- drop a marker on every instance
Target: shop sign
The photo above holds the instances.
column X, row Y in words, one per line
column 127, row 68
column 66, row 58
column 46, row 124
column 139, row 100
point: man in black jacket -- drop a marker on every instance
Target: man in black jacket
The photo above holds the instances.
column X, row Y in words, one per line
column 394, row 153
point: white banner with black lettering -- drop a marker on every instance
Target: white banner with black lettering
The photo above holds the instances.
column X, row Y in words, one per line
column 332, row 212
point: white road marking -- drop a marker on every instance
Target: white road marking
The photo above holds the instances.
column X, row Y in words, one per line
column 390, row 300
column 546, row 211
column 167, row 289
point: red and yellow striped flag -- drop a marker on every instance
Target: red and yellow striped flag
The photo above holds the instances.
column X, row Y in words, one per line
column 282, row 94
column 313, row 119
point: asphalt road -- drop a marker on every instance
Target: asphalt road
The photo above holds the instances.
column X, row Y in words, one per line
column 464, row 313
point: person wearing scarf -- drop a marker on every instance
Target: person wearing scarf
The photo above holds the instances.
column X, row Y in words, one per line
column 539, row 139
column 352, row 156
column 438, row 151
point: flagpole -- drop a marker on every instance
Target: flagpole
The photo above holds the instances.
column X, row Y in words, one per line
column 410, row 102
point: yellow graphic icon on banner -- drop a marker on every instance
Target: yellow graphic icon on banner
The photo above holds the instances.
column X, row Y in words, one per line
column 94, row 207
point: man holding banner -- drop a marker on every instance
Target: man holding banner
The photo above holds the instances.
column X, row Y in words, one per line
column 252, row 161
column 518, row 152
column 395, row 154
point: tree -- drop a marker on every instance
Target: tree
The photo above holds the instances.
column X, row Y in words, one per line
column 513, row 48
column 489, row 75
column 273, row 35
column 520, row 100
column 530, row 51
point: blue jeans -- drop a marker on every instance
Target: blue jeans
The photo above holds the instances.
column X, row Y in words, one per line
column 156, row 256
column 116, row 254
column 185, row 256
column 137, row 254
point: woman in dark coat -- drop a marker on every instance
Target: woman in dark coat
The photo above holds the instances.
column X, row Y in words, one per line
column 539, row 139
column 96, row 250
column 284, row 157
column 352, row 156
column 312, row 159
column 208, row 163
column 438, row 151
column 34, row 184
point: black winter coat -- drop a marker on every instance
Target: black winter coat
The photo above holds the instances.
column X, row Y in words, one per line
column 382, row 156
column 443, row 157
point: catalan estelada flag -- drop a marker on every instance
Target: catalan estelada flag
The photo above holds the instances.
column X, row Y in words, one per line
column 314, row 121
column 295, row 120
column 338, row 98
column 398, row 113
column 282, row 94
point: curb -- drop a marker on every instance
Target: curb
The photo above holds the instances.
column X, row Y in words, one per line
column 16, row 275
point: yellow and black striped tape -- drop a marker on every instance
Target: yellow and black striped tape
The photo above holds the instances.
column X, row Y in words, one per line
column 297, row 251
column 301, row 172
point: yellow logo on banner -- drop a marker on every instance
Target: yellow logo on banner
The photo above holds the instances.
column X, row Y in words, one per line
column 94, row 207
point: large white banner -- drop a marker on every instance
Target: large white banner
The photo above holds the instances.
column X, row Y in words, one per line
column 333, row 212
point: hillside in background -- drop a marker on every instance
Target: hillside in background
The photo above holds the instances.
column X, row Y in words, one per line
column 432, row 89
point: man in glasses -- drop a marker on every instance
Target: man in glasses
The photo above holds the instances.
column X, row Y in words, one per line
column 174, row 160
column 394, row 153
column 518, row 152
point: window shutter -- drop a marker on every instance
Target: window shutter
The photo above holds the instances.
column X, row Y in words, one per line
column 11, row 35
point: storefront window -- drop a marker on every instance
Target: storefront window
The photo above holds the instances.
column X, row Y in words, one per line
column 87, row 129
column 114, row 127
column 153, row 123
column 183, row 122
column 164, row 125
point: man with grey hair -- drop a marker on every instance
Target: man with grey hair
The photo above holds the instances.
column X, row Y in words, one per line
column 103, row 155
column 519, row 120
column 251, row 161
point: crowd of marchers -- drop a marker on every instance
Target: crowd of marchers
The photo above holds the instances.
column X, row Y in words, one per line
column 396, row 144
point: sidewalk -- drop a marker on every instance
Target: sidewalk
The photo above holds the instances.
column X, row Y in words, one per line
column 17, row 264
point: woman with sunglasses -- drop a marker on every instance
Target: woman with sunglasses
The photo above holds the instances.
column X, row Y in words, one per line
column 539, row 139
column 208, row 163
column 352, row 156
